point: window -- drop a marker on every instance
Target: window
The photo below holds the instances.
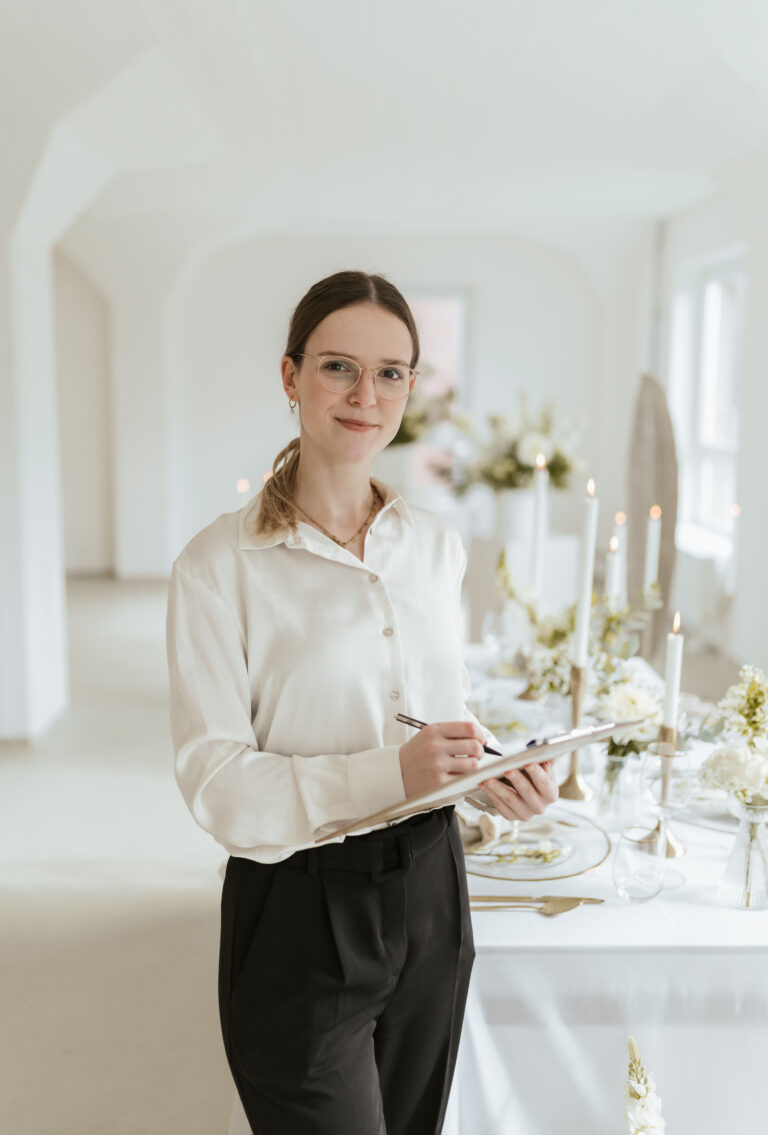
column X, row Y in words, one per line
column 705, row 399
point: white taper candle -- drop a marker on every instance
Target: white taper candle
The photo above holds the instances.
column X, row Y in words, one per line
column 586, row 574
column 539, row 534
column 672, row 672
column 652, row 548
column 613, row 573
column 620, row 532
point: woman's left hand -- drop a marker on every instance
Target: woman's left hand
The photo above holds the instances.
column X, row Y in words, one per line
column 533, row 789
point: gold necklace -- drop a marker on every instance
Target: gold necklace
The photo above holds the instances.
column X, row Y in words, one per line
column 378, row 500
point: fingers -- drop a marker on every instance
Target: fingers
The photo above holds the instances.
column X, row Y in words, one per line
column 460, row 766
column 507, row 800
column 454, row 729
column 528, row 793
column 453, row 738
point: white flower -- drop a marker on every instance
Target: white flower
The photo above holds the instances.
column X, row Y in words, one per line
column 625, row 702
column 644, row 1110
column 744, row 708
column 531, row 444
column 737, row 769
column 550, row 668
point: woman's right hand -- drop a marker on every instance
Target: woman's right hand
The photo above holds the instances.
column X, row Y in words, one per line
column 439, row 752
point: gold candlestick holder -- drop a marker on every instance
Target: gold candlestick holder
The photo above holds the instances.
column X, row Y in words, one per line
column 575, row 787
column 668, row 741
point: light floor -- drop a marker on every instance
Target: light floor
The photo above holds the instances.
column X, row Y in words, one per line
column 110, row 897
column 110, row 901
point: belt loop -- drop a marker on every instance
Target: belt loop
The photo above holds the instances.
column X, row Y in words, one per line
column 311, row 860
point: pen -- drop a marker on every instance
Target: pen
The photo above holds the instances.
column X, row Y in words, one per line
column 414, row 721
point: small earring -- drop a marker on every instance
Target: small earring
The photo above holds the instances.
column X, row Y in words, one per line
column 292, row 403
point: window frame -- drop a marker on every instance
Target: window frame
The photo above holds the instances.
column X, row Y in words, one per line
column 687, row 395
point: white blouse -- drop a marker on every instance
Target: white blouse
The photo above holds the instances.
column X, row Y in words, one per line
column 289, row 658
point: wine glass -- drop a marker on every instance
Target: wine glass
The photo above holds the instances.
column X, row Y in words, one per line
column 669, row 777
column 638, row 864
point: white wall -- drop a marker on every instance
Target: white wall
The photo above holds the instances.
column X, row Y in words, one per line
column 85, row 432
column 625, row 313
column 737, row 214
column 533, row 325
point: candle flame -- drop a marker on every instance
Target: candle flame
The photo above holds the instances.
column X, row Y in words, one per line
column 266, row 476
column 676, row 623
column 614, row 545
column 620, row 518
column 735, row 510
column 243, row 485
column 591, row 487
column 541, row 461
column 655, row 512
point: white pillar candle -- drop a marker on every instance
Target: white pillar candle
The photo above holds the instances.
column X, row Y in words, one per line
column 539, row 534
column 586, row 573
column 613, row 573
column 672, row 671
column 652, row 548
column 620, row 532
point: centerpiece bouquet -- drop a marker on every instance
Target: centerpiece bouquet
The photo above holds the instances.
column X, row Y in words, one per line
column 739, row 767
column 422, row 414
column 503, row 454
column 615, row 690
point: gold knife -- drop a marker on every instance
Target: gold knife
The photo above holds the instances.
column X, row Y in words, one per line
column 529, row 898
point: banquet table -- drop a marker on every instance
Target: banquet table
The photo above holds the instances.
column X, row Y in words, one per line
column 553, row 1000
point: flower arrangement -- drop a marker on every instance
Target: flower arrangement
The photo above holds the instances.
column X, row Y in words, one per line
column 643, row 1106
column 738, row 770
column 421, row 416
column 614, row 638
column 743, row 710
column 504, row 455
column 740, row 765
column 628, row 701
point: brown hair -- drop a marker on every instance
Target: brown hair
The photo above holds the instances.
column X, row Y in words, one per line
column 344, row 289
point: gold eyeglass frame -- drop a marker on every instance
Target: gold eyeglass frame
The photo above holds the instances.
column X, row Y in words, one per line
column 345, row 358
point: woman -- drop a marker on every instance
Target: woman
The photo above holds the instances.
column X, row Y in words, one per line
column 297, row 629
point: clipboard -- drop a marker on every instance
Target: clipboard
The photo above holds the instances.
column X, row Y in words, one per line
column 451, row 793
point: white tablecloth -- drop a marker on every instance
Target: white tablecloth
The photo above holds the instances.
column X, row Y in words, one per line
column 552, row 1002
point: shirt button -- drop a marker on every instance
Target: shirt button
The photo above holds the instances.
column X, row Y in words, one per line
column 373, row 578
column 388, row 632
column 395, row 695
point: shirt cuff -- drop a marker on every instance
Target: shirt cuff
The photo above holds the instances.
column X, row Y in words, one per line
column 375, row 780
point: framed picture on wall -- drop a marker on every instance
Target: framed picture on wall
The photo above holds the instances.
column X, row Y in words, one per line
column 441, row 318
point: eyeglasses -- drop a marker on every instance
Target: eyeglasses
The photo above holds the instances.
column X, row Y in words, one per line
column 338, row 375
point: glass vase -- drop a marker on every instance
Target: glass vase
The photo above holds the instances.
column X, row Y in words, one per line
column 617, row 802
column 745, row 882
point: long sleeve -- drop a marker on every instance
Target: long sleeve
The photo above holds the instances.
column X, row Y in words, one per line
column 249, row 800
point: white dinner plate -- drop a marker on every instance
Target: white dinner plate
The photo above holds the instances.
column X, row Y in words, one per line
column 584, row 845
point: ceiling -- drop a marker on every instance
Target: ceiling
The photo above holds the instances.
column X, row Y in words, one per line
column 238, row 116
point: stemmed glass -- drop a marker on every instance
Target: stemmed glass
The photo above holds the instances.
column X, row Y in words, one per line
column 669, row 777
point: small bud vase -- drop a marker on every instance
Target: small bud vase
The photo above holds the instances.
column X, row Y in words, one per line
column 617, row 803
column 745, row 882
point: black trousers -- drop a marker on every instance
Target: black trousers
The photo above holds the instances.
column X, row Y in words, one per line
column 341, row 992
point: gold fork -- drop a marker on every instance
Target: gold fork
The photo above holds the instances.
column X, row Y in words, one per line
column 550, row 907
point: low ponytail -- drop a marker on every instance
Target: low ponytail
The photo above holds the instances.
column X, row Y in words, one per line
column 276, row 508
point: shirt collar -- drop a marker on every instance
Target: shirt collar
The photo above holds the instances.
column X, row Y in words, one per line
column 248, row 537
